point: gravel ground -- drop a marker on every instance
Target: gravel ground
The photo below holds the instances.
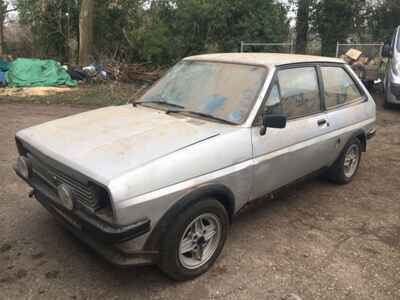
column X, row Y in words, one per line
column 316, row 240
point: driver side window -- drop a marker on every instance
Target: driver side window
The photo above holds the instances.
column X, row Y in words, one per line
column 295, row 92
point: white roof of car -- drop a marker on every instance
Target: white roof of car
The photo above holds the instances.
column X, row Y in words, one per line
column 266, row 59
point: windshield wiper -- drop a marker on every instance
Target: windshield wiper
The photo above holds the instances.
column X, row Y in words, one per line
column 162, row 102
column 200, row 114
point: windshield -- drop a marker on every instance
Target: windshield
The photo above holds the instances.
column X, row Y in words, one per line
column 223, row 90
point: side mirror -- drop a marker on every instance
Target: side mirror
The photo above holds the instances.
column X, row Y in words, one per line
column 387, row 51
column 278, row 120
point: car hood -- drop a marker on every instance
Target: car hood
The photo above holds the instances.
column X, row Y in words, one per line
column 106, row 143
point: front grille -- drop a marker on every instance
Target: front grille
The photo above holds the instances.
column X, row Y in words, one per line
column 83, row 194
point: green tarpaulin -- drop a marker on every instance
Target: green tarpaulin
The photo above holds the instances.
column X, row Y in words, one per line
column 24, row 72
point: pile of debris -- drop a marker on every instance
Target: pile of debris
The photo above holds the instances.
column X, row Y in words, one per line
column 116, row 72
column 367, row 68
column 133, row 72
column 31, row 72
column 355, row 56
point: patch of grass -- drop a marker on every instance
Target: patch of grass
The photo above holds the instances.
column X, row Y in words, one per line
column 95, row 94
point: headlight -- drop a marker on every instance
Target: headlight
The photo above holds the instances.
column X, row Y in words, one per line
column 24, row 167
column 65, row 195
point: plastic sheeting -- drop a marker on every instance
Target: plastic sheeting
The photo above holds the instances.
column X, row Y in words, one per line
column 24, row 72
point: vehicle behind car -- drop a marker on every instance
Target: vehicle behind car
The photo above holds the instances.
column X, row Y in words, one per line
column 391, row 50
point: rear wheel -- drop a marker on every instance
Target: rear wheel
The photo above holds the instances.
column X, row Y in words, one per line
column 194, row 241
column 346, row 167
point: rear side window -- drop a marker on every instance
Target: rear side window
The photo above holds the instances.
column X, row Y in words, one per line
column 296, row 93
column 340, row 88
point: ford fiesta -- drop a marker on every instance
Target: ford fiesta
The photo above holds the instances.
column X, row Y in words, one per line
column 159, row 181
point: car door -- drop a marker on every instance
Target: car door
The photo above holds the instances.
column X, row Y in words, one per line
column 283, row 155
column 346, row 105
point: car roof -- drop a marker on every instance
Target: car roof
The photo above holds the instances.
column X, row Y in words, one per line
column 265, row 59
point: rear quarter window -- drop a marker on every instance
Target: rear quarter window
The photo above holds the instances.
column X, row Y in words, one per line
column 339, row 87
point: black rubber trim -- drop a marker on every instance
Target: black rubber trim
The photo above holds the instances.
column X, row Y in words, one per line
column 217, row 191
column 109, row 252
column 106, row 234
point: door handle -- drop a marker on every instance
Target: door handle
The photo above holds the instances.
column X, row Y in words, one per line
column 323, row 122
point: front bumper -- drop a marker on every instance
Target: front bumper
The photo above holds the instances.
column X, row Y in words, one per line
column 110, row 251
column 103, row 237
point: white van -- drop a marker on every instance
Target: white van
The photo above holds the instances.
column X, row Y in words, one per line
column 391, row 50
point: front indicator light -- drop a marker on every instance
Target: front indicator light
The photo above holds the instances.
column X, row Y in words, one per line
column 24, row 167
column 65, row 195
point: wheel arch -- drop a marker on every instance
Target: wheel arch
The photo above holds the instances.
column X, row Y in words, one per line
column 362, row 136
column 219, row 192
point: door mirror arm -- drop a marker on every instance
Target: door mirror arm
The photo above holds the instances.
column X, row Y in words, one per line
column 276, row 120
column 263, row 130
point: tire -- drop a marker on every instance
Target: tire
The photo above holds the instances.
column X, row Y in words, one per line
column 341, row 172
column 185, row 266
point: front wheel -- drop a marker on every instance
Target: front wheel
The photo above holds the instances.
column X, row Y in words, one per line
column 346, row 167
column 194, row 240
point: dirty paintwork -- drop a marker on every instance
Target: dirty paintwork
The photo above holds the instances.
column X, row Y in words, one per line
column 109, row 142
column 149, row 159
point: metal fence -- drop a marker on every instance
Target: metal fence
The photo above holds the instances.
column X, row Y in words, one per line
column 370, row 50
column 275, row 46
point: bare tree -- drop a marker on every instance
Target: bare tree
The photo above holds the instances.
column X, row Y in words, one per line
column 302, row 27
column 4, row 10
column 86, row 31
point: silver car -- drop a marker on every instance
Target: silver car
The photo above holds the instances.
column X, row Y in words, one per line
column 391, row 51
column 159, row 181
